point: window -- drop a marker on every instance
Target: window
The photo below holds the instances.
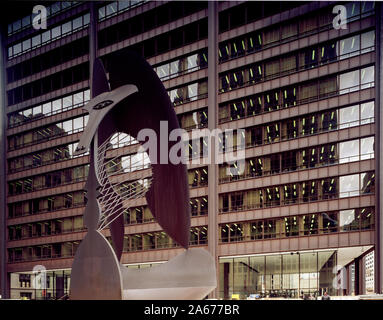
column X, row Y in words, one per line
column 308, row 91
column 348, row 82
column 367, row 218
column 237, row 201
column 254, row 106
column 348, row 220
column 290, row 129
column 272, row 133
column 349, row 186
column 349, row 151
column 271, row 36
column 256, row 230
column 288, row 64
column 272, row 197
column 289, row 161
column 328, row 53
column 367, row 77
column 223, row 51
column 290, row 193
column 308, row 58
column 271, row 68
column 271, row 100
column 290, row 226
column 349, row 117
column 368, row 41
column 328, row 86
column 367, row 148
column 367, row 182
column 367, row 112
column 329, row 120
column 270, row 229
column 349, row 47
column 330, row 222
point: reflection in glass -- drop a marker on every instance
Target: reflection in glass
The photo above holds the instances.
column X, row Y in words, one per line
column 36, row 40
column 67, row 27
column 349, row 117
column 56, row 32
column 192, row 61
column 349, row 47
column 349, row 186
column 174, row 68
column 46, row 36
column 367, row 112
column 367, row 181
column 67, row 126
column 367, row 148
column 77, row 23
column 348, row 82
column 348, row 220
column 367, row 77
column 273, row 272
column 349, row 151
column 308, row 272
column 368, row 41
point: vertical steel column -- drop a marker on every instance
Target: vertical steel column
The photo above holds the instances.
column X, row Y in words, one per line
column 93, row 45
column 212, row 124
column 378, row 277
column 3, row 200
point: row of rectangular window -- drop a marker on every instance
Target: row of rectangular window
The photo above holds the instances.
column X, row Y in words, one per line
column 262, row 39
column 302, row 192
column 133, row 215
column 181, row 66
column 55, row 130
column 171, row 40
column 46, row 228
column 312, row 157
column 48, row 36
column 48, row 180
column 188, row 93
column 142, row 214
column 51, row 11
column 346, row 82
column 117, row 7
column 49, row 59
column 132, row 189
column 198, row 177
column 137, row 242
column 343, row 118
column 160, row 240
column 42, row 252
column 56, row 81
column 152, row 19
column 320, row 19
column 298, row 94
column 302, row 225
column 47, row 204
column 260, row 72
column 292, row 128
column 194, row 120
column 49, row 108
column 42, row 158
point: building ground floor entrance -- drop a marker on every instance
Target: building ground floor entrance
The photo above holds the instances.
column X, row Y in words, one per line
column 344, row 271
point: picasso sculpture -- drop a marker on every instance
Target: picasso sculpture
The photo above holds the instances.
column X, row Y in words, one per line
column 134, row 98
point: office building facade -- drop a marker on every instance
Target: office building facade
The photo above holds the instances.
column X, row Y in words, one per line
column 300, row 215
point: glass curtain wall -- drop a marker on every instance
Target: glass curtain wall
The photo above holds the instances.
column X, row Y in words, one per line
column 290, row 275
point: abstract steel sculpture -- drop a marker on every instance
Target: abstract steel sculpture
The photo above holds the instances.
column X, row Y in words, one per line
column 135, row 99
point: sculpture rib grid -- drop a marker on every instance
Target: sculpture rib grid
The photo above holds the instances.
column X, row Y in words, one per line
column 112, row 195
